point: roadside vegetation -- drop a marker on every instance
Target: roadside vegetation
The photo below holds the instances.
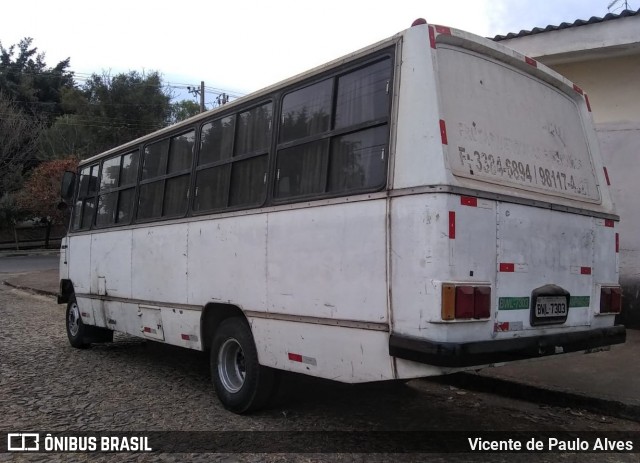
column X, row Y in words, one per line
column 50, row 119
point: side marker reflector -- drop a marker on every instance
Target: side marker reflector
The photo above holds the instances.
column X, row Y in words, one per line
column 507, row 267
column 469, row 201
column 443, row 132
column 452, row 225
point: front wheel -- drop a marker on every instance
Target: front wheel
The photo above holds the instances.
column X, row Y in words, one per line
column 241, row 383
column 81, row 335
column 76, row 330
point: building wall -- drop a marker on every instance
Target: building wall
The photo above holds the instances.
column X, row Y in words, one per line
column 613, row 86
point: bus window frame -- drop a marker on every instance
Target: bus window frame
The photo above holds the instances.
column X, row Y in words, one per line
column 164, row 177
column 275, row 98
column 235, row 112
column 118, row 189
column 335, row 74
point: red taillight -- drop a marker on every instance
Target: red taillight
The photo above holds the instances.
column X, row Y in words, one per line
column 482, row 307
column 610, row 300
column 464, row 302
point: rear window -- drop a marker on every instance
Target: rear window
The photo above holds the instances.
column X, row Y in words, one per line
column 507, row 127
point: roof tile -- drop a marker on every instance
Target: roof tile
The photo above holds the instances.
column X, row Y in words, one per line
column 564, row 25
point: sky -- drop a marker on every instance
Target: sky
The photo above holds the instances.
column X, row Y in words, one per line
column 239, row 46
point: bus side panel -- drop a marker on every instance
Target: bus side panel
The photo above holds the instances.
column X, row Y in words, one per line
column 159, row 264
column 79, row 260
column 110, row 262
column 227, row 261
column 342, row 354
column 337, row 254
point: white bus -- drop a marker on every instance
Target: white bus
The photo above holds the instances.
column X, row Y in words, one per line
column 432, row 203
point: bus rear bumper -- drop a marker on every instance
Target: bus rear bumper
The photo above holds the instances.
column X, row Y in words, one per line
column 452, row 354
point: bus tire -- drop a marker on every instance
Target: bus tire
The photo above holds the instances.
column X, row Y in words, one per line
column 76, row 329
column 241, row 383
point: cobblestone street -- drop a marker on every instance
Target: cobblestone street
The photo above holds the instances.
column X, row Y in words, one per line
column 133, row 385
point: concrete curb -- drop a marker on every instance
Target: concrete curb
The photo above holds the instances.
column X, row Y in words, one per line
column 24, row 253
column 28, row 289
column 535, row 394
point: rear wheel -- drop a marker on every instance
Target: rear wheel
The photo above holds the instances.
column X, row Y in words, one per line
column 241, row 383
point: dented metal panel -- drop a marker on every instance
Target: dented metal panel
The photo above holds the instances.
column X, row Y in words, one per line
column 159, row 263
column 329, row 262
column 151, row 325
column 342, row 354
column 545, row 247
column 227, row 261
column 109, row 272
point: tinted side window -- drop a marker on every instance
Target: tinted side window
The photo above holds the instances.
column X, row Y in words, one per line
column 154, row 162
column 117, row 189
column 358, row 160
column 363, row 95
column 315, row 158
column 301, row 169
column 85, row 201
column 181, row 152
column 306, row 111
column 233, row 160
column 254, row 130
column 216, row 140
column 248, row 181
column 164, row 188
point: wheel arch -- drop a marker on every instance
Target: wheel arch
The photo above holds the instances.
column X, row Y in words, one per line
column 66, row 291
column 212, row 315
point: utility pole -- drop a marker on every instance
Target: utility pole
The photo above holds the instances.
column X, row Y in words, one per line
column 202, row 96
column 198, row 91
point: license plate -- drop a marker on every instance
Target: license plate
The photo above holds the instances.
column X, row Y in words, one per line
column 551, row 307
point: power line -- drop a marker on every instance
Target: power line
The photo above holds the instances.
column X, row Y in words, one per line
column 84, row 77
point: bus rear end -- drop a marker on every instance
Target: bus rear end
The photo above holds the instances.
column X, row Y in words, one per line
column 506, row 247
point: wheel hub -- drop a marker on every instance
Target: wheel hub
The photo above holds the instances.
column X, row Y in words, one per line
column 74, row 319
column 231, row 365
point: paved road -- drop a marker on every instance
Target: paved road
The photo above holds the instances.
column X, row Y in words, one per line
column 135, row 385
column 29, row 263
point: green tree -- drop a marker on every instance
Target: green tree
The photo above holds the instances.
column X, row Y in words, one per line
column 108, row 111
column 125, row 106
column 30, row 100
column 33, row 86
column 183, row 109
column 19, row 134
